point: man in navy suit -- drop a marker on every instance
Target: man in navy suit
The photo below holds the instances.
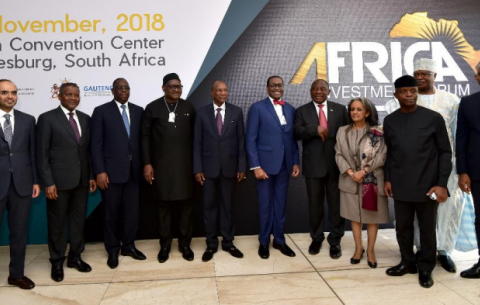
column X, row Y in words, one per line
column 273, row 156
column 117, row 165
column 218, row 162
column 63, row 164
column 18, row 178
column 468, row 152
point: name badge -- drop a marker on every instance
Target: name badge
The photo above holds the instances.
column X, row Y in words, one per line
column 171, row 117
column 283, row 121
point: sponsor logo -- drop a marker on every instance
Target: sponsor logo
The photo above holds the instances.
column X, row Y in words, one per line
column 55, row 89
column 26, row 91
column 97, row 90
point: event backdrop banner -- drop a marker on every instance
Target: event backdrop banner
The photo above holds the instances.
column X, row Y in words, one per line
column 360, row 47
column 93, row 42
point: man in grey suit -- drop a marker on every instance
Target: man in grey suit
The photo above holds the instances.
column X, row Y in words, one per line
column 63, row 163
column 218, row 162
column 316, row 124
column 18, row 179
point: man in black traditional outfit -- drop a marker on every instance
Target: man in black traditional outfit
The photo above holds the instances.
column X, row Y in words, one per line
column 167, row 137
column 418, row 166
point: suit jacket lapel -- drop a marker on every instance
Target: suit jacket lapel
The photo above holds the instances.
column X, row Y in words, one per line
column 313, row 113
column 212, row 119
column 272, row 111
column 331, row 116
column 227, row 119
column 66, row 124
column 2, row 135
column 118, row 117
column 83, row 126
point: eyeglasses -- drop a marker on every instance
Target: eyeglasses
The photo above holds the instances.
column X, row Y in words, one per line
column 120, row 88
column 274, row 86
column 5, row 93
column 422, row 74
column 174, row 87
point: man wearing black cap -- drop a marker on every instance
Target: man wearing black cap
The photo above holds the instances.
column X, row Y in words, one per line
column 416, row 175
column 167, row 138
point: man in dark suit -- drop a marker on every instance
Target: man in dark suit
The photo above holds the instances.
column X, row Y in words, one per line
column 316, row 124
column 419, row 163
column 273, row 156
column 117, row 164
column 218, row 161
column 18, row 178
column 167, row 148
column 468, row 152
column 63, row 163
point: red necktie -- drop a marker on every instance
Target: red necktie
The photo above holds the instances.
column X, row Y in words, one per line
column 322, row 118
column 279, row 102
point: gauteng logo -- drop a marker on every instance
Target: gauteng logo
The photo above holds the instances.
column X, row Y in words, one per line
column 390, row 61
column 97, row 90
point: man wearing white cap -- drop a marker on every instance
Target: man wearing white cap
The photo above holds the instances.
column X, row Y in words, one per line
column 449, row 213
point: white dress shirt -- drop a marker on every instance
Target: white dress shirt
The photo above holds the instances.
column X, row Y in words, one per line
column 127, row 110
column 279, row 110
column 75, row 117
column 222, row 112
column 324, row 109
column 12, row 119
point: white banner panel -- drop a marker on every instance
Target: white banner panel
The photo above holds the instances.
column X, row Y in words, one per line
column 43, row 44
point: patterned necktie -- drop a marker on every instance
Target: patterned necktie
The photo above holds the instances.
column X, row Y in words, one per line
column 74, row 126
column 322, row 118
column 125, row 119
column 7, row 130
column 219, row 120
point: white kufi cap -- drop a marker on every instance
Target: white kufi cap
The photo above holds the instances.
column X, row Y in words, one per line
column 425, row 64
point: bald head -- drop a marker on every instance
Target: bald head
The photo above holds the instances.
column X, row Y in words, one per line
column 219, row 92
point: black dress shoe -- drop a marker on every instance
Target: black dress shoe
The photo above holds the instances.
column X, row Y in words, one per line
column 208, row 254
column 314, row 247
column 57, row 273
column 447, row 263
column 335, row 251
column 80, row 265
column 401, row 269
column 135, row 254
column 187, row 253
column 163, row 254
column 284, row 249
column 112, row 260
column 263, row 251
column 22, row 283
column 233, row 251
column 472, row 273
column 355, row 261
column 425, row 279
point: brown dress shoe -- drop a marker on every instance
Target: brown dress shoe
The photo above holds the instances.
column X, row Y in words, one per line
column 22, row 283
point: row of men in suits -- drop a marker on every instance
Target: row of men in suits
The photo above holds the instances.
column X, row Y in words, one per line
column 68, row 159
column 69, row 155
column 74, row 154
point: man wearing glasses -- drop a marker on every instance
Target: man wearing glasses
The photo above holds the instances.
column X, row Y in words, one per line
column 273, row 156
column 117, row 165
column 18, row 178
column 167, row 140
